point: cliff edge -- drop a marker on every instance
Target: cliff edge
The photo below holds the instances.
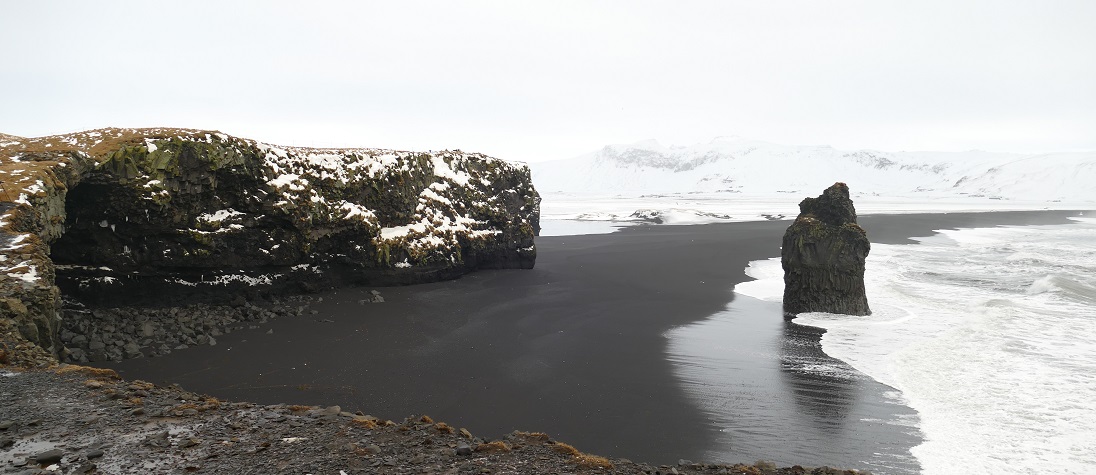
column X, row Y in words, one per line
column 128, row 216
column 823, row 257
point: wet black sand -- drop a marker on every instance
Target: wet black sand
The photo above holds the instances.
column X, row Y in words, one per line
column 774, row 394
column 574, row 347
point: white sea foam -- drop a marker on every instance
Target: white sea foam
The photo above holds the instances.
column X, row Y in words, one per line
column 987, row 333
column 768, row 283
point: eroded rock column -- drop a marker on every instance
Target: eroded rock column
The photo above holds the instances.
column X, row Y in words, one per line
column 823, row 257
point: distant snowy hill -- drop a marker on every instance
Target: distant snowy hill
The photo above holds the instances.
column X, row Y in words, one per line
column 742, row 180
column 742, row 166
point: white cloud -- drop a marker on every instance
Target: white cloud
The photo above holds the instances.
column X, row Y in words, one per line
column 543, row 80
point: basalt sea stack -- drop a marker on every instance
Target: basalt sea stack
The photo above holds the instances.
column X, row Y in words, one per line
column 823, row 257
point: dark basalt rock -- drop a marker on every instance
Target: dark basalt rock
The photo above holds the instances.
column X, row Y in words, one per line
column 823, row 257
column 162, row 216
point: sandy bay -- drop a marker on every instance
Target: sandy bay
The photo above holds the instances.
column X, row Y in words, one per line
column 576, row 347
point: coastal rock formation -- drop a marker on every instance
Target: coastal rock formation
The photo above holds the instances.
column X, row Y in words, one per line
column 128, row 216
column 823, row 257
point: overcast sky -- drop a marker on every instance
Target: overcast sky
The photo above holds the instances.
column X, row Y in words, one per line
column 534, row 81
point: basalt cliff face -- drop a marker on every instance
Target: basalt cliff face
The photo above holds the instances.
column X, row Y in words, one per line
column 823, row 257
column 151, row 216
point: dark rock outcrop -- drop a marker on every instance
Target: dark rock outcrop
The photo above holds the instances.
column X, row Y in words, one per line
column 154, row 216
column 823, row 257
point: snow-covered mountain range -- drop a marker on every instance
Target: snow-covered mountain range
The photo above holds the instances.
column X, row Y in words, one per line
column 741, row 166
column 737, row 171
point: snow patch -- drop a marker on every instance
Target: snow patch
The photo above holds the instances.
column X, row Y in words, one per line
column 401, row 231
column 443, row 170
column 15, row 242
column 218, row 216
column 289, row 180
column 23, row 271
column 354, row 210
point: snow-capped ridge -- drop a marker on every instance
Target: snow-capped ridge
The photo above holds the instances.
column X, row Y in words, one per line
column 737, row 165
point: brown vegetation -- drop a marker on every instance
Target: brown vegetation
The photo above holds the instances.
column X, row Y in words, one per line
column 205, row 404
column 138, row 385
column 100, row 373
column 496, row 446
column 592, row 461
column 364, row 422
column 565, row 449
column 532, row 436
column 581, row 459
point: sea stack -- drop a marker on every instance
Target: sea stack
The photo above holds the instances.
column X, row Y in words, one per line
column 823, row 257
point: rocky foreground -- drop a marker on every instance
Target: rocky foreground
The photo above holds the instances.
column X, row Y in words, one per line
column 73, row 420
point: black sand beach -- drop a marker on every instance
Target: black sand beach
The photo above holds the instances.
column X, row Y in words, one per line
column 773, row 393
column 574, row 347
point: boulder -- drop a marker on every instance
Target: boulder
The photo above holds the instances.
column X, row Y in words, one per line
column 823, row 257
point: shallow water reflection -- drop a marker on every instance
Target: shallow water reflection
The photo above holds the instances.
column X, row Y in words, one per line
column 767, row 384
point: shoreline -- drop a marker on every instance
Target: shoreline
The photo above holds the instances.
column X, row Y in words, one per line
column 785, row 399
column 952, row 311
column 930, row 225
column 1020, row 217
column 657, row 299
column 575, row 342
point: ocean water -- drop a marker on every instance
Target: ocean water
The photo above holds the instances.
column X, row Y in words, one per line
column 773, row 395
column 989, row 334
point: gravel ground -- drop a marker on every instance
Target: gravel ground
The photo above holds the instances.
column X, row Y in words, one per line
column 73, row 419
column 113, row 334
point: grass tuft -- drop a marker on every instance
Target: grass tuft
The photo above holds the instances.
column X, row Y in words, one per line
column 592, row 461
column 532, row 436
column 138, row 385
column 207, row 404
column 497, row 446
column 101, row 373
column 364, row 422
column 579, row 458
column 566, row 449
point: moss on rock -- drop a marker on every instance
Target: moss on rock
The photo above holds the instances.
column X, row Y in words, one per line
column 823, row 256
column 188, row 212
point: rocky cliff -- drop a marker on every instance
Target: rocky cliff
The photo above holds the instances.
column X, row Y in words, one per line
column 823, row 257
column 125, row 216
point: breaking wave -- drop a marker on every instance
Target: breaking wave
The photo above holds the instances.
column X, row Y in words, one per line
column 987, row 333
